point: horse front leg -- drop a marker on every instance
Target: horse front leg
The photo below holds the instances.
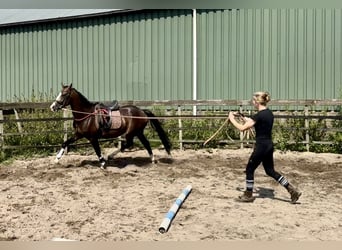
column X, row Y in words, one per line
column 95, row 143
column 65, row 145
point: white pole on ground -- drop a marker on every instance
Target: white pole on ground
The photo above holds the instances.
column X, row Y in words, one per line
column 164, row 226
column 60, row 239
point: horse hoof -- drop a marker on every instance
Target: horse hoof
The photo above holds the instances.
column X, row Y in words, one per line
column 56, row 160
column 103, row 165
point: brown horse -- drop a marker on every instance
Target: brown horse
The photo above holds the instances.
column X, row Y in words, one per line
column 132, row 122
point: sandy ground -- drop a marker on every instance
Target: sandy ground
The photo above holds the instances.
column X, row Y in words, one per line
column 76, row 200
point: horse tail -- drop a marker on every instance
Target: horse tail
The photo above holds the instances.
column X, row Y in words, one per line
column 156, row 125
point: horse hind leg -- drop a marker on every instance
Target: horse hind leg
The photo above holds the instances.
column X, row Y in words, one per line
column 147, row 145
column 127, row 144
column 124, row 145
column 111, row 156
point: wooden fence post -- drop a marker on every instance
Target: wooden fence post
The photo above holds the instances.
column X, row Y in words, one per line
column 249, row 135
column 241, row 132
column 65, row 127
column 307, row 136
column 20, row 128
column 1, row 130
column 180, row 133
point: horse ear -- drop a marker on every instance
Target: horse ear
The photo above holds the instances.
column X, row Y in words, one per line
column 70, row 85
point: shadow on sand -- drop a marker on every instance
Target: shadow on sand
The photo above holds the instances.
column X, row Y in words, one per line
column 122, row 162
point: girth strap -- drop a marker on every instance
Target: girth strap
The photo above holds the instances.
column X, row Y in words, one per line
column 106, row 117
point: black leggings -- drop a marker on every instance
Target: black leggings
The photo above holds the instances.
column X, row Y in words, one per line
column 262, row 153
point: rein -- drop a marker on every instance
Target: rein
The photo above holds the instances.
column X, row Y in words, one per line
column 150, row 118
column 83, row 118
column 81, row 112
column 241, row 116
column 217, row 131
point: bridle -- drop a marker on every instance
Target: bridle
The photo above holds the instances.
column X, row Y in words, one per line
column 63, row 100
column 65, row 96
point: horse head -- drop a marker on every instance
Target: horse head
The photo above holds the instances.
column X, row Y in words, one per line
column 63, row 98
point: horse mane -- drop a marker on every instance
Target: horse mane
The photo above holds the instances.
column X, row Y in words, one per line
column 83, row 98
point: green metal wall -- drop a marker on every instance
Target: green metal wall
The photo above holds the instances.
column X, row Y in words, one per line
column 292, row 53
column 139, row 56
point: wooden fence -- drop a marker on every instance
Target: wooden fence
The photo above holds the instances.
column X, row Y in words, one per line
column 187, row 109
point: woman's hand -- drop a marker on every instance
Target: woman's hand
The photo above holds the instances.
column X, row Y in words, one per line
column 232, row 115
column 242, row 127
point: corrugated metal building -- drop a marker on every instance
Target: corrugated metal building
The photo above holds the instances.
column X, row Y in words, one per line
column 149, row 54
column 293, row 53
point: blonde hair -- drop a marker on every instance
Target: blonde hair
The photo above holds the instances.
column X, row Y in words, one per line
column 262, row 97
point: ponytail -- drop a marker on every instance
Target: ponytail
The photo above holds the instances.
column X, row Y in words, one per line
column 262, row 97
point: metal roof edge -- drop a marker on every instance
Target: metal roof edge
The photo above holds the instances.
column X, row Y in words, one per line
column 66, row 18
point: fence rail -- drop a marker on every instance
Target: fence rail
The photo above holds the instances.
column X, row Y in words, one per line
column 305, row 109
column 311, row 103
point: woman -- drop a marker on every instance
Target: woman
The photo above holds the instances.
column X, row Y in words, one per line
column 263, row 149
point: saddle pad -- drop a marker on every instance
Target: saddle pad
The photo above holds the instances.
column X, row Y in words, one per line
column 116, row 119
